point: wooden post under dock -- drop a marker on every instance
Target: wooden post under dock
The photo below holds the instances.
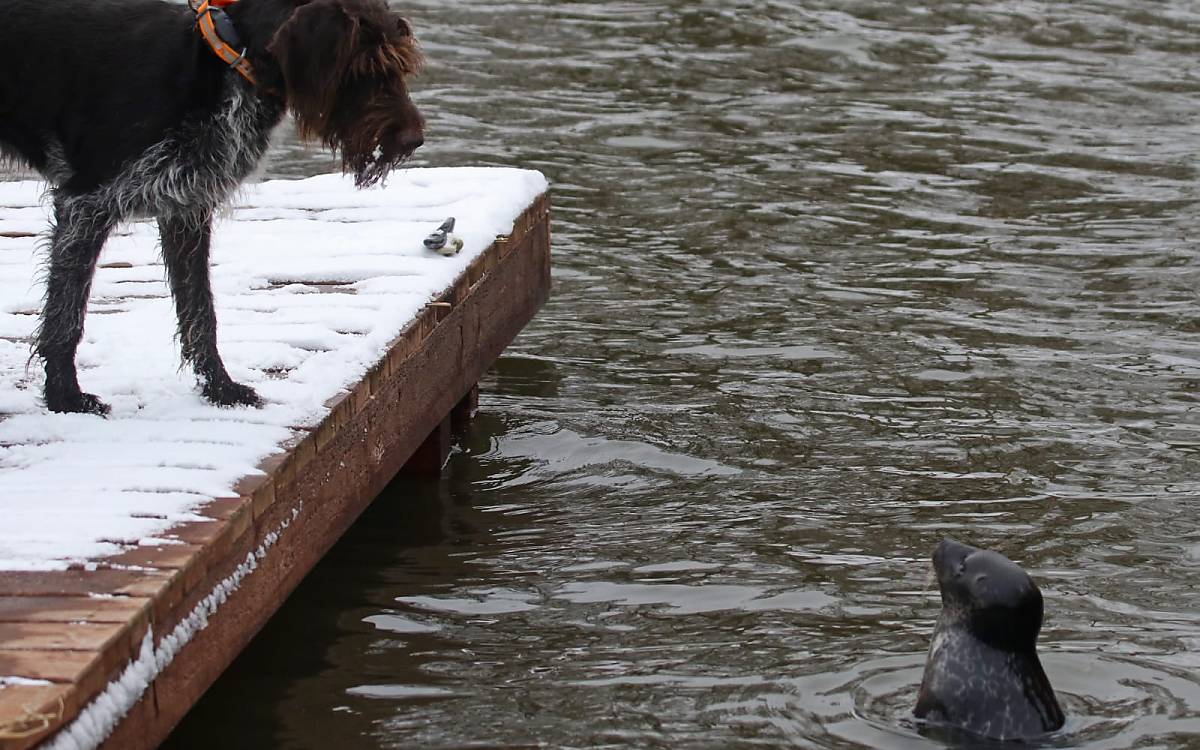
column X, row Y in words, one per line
column 175, row 616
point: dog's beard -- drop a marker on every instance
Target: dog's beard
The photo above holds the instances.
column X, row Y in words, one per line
column 369, row 155
column 372, row 167
column 377, row 141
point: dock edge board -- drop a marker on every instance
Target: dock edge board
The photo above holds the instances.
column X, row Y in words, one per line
column 151, row 629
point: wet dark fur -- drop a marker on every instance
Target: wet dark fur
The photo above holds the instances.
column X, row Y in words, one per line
column 127, row 113
column 983, row 675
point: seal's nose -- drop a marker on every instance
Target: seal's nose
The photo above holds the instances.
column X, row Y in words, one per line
column 949, row 555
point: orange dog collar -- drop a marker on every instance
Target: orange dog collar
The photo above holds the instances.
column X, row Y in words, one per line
column 211, row 21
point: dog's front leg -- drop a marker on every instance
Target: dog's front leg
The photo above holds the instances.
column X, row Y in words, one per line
column 80, row 229
column 185, row 246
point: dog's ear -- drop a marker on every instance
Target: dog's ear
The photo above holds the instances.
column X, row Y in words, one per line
column 314, row 49
column 388, row 48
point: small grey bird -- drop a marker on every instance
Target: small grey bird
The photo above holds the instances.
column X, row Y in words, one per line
column 437, row 240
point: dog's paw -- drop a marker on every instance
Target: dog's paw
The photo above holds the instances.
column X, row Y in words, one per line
column 230, row 393
column 76, row 403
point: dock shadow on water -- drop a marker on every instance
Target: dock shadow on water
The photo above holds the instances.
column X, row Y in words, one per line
column 833, row 280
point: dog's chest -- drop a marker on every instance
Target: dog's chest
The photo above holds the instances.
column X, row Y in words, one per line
column 239, row 134
column 204, row 160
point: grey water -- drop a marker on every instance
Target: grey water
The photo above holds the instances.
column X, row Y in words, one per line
column 833, row 280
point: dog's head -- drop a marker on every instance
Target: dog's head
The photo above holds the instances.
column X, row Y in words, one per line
column 345, row 65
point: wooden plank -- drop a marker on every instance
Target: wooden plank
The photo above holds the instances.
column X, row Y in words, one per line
column 55, row 666
column 225, row 507
column 167, row 556
column 79, row 636
column 71, row 609
column 84, row 582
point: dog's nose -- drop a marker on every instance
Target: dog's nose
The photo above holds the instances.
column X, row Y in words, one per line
column 410, row 142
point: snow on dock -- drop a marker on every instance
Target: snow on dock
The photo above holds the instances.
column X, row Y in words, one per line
column 139, row 553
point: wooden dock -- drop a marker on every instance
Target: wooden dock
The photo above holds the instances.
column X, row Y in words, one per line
column 117, row 650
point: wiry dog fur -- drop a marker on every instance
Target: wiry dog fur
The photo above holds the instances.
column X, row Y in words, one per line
column 127, row 113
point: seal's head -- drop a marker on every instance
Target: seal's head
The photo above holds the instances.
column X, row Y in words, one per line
column 989, row 595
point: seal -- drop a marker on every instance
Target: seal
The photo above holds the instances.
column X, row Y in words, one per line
column 983, row 675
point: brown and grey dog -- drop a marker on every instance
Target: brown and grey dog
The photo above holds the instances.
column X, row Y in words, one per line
column 144, row 108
